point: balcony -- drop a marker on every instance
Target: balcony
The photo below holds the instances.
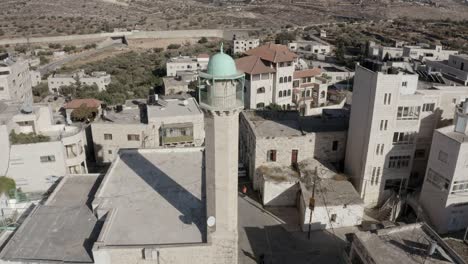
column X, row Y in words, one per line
column 177, row 139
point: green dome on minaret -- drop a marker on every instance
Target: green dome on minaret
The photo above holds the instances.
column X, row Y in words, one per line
column 221, row 65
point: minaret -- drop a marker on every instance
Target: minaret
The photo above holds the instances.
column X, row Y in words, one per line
column 221, row 98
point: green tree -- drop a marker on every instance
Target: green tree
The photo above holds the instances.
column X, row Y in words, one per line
column 83, row 113
column 7, row 184
column 285, row 37
column 203, row 40
column 43, row 60
column 275, row 107
column 69, row 48
column 21, row 49
column 173, row 46
column 41, row 90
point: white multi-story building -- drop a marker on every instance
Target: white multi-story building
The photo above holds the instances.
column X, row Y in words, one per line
column 309, row 47
column 15, row 79
column 310, row 90
column 100, row 79
column 455, row 68
column 380, row 52
column 270, row 69
column 36, row 164
column 391, row 128
column 167, row 123
column 186, row 63
column 433, row 53
column 242, row 45
column 444, row 193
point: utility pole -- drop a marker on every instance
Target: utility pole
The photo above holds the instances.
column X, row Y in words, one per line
column 312, row 203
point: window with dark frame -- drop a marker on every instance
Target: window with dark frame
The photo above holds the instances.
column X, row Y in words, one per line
column 271, row 155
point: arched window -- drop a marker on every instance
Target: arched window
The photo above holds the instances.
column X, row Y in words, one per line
column 289, row 92
column 281, row 80
column 322, row 94
column 280, row 94
column 289, row 79
column 261, row 90
column 260, row 105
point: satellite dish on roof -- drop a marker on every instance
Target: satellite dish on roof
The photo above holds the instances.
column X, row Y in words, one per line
column 211, row 221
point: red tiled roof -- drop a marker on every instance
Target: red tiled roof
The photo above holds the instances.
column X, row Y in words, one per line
column 252, row 65
column 273, row 53
column 307, row 73
column 76, row 103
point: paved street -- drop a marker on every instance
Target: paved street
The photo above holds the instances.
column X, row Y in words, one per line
column 262, row 233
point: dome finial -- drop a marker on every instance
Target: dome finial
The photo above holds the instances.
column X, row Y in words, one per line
column 221, row 49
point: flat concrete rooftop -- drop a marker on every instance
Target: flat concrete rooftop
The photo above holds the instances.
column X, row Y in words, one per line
column 154, row 196
column 126, row 116
column 405, row 244
column 61, row 230
column 173, row 107
column 450, row 132
column 289, row 123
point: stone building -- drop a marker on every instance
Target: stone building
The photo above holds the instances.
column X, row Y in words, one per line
column 285, row 138
column 422, row 54
column 269, row 72
column 444, row 193
column 15, row 79
column 393, row 117
column 164, row 123
column 60, row 152
column 100, row 79
column 242, row 45
column 186, row 63
column 455, row 68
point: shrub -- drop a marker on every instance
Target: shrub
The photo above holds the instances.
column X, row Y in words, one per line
column 173, row 46
column 7, row 184
column 203, row 40
column 27, row 138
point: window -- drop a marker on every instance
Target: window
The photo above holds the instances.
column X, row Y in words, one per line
column 49, row 158
column 403, row 138
column 333, row 218
column 107, row 136
column 265, row 76
column 443, row 156
column 379, row 149
column 289, row 92
column 271, row 155
column 408, row 112
column 397, row 162
column 437, row 180
column 395, row 184
column 261, row 90
column 383, row 124
column 133, row 137
column 308, row 93
column 2, row 88
column 460, row 186
column 420, row 154
column 256, row 77
column 335, row 145
column 280, row 93
column 260, row 105
column 322, row 94
column 281, row 79
column 428, row 107
column 109, row 152
column 387, row 98
column 404, row 84
column 289, row 79
column 296, row 84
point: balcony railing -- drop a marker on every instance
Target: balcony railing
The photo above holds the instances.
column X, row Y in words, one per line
column 178, row 139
